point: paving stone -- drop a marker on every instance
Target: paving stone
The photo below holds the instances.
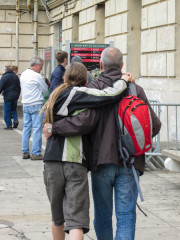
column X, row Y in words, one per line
column 25, row 210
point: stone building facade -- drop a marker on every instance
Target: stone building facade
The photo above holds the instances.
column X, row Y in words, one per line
column 146, row 31
column 26, row 31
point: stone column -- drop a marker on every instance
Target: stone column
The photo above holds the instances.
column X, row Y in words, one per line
column 134, row 37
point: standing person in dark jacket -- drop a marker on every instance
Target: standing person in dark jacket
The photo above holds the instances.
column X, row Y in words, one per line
column 10, row 85
column 58, row 73
column 108, row 173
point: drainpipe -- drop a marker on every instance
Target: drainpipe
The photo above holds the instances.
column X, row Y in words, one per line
column 35, row 20
column 17, row 32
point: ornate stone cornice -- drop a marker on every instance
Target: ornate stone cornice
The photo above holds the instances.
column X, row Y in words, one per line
column 51, row 4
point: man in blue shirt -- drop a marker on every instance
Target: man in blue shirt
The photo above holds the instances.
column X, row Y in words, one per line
column 57, row 75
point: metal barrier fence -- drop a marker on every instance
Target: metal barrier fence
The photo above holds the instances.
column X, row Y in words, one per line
column 169, row 114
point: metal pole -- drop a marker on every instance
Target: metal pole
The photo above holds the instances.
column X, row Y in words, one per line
column 52, row 59
column 17, row 32
column 111, row 43
column 176, row 129
column 167, row 128
column 35, row 20
column 68, row 50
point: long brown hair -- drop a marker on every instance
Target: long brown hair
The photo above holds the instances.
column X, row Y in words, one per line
column 75, row 74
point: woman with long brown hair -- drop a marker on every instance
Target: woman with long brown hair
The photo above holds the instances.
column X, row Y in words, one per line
column 75, row 75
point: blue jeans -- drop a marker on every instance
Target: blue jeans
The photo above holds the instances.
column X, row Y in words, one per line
column 32, row 120
column 10, row 107
column 103, row 181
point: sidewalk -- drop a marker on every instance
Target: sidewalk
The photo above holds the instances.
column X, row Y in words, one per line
column 25, row 211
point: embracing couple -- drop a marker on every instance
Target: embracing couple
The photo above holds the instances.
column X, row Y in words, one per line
column 81, row 132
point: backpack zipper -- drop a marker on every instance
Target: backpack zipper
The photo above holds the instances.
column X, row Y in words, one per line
column 132, row 110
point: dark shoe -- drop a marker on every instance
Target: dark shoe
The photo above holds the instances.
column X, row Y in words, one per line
column 37, row 157
column 16, row 123
column 8, row 128
column 25, row 155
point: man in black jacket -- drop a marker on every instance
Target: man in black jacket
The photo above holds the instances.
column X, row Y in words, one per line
column 10, row 86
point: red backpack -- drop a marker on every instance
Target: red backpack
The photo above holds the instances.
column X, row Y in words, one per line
column 135, row 125
column 135, row 132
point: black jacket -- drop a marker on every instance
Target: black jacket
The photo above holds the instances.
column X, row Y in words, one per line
column 10, row 86
column 79, row 98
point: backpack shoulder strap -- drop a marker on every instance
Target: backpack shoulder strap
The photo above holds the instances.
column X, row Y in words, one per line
column 132, row 89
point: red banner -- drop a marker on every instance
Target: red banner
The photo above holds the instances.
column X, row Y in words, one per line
column 47, row 55
column 86, row 54
column 87, row 49
column 91, row 60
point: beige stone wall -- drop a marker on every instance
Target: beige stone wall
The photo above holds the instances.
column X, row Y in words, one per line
column 146, row 31
column 8, row 37
column 117, row 27
column 158, row 38
column 158, row 49
column 88, row 19
column 87, row 25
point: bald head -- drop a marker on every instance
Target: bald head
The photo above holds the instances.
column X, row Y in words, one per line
column 111, row 57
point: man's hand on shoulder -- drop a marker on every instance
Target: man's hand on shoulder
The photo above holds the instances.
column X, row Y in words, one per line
column 128, row 77
column 47, row 129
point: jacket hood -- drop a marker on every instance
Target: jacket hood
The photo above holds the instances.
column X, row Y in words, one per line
column 111, row 74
